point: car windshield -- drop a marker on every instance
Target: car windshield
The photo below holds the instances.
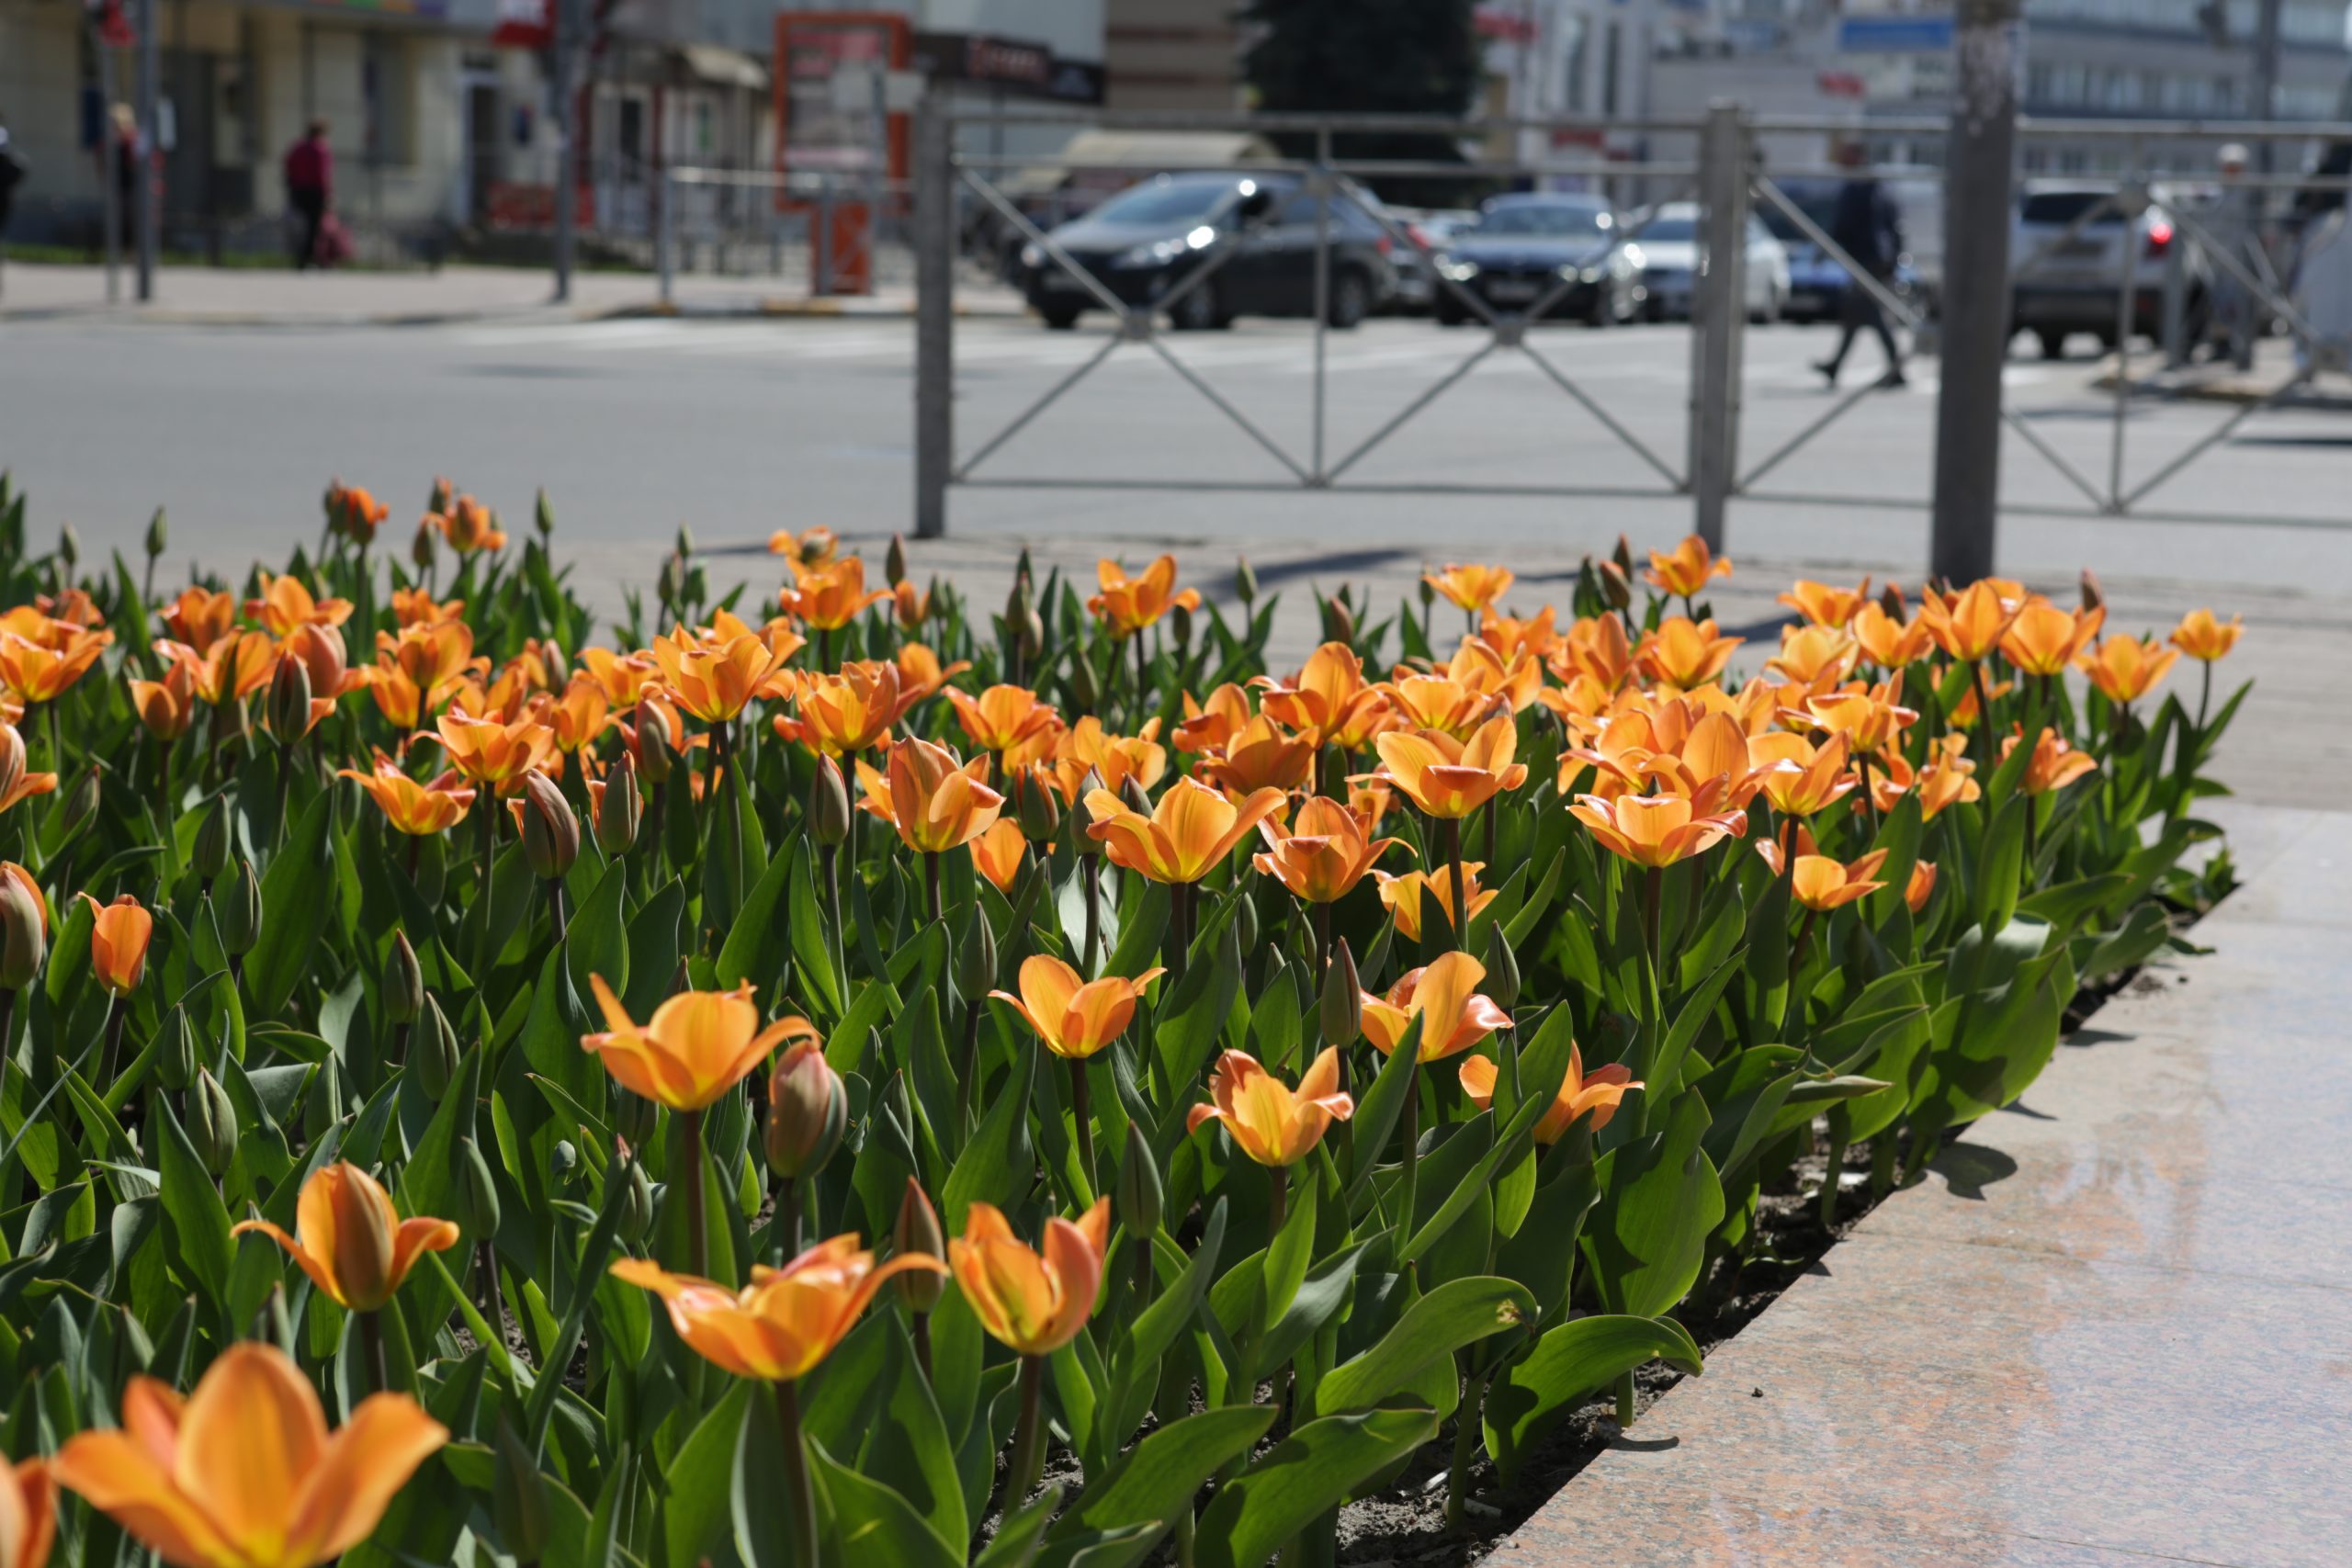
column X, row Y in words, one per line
column 1165, row 201
column 1823, row 213
column 1671, row 229
column 2063, row 206
column 1540, row 219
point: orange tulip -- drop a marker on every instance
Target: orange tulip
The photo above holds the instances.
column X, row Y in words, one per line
column 244, row 1473
column 420, row 668
column 580, row 714
column 1329, row 703
column 624, row 676
column 1444, row 996
column 200, row 617
column 1656, row 831
column 1264, row 1117
column 1476, row 667
column 1261, row 757
column 416, row 608
column 1211, row 724
column 1074, row 1019
column 165, row 706
column 2125, row 669
column 911, row 605
column 1325, row 854
column 829, row 598
column 354, row 513
column 1826, row 605
column 493, row 754
column 16, row 784
column 1534, row 636
column 1402, row 896
column 468, row 525
column 935, row 801
column 1187, row 836
column 233, row 667
column 921, row 673
column 714, row 684
column 1128, row 605
column 1597, row 1093
column 351, row 1241
column 1815, row 655
column 698, row 1046
column 1596, row 648
column 414, row 808
column 37, row 672
column 27, row 1513
column 2203, row 638
column 1471, row 587
column 1686, row 568
column 1004, row 716
column 1943, row 781
column 835, row 715
column 1869, row 718
column 997, row 853
column 1030, row 1303
column 286, row 603
column 1683, row 653
column 1822, row 883
column 1799, row 778
column 1438, row 703
column 1451, row 779
column 1921, row 887
column 119, row 933
column 1891, row 643
column 2054, row 763
column 787, row 1320
column 2043, row 639
column 1114, row 759
column 1968, row 625
column 813, row 548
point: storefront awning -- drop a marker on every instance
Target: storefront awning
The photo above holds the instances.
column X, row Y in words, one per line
column 723, row 67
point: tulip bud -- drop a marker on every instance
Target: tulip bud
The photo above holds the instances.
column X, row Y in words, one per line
column 24, row 931
column 563, row 1162
column 1616, row 586
column 439, row 498
column 543, row 515
column 635, row 1118
column 1502, row 969
column 403, row 982
column 1624, row 556
column 1032, row 634
column 1131, row 791
column 894, row 563
column 669, row 581
column 550, row 831
column 1036, row 806
column 649, row 739
column 686, row 543
column 159, row 534
column 976, row 965
column 420, row 549
column 236, row 908
column 1017, row 602
column 620, row 808
column 828, row 803
column 1427, row 590
column 518, row 1499
column 212, row 1124
column 918, row 1232
column 1085, row 689
column 1245, row 924
column 1339, row 624
column 1342, row 998
column 1245, row 581
column 1890, row 599
column 287, row 710
column 175, row 1052
column 1080, row 815
column 1139, row 1196
column 212, row 841
column 2094, row 596
column 1180, row 619
column 69, row 546
column 432, row 1049
column 476, row 1210
column 637, row 1204
column 807, row 1113
column 83, row 803
column 696, row 589
column 323, row 1106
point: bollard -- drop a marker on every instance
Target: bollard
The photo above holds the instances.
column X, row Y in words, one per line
column 934, row 319
column 665, row 234
column 1718, row 313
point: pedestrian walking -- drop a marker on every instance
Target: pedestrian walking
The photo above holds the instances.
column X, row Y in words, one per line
column 310, row 189
column 1868, row 227
column 2232, row 222
column 12, row 174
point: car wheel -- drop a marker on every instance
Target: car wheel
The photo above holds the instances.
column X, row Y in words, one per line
column 1449, row 311
column 1059, row 318
column 1198, row 311
column 1350, row 301
column 1602, row 310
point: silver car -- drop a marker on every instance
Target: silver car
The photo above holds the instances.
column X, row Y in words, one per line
column 2068, row 246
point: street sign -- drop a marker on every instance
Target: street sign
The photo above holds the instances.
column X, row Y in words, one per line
column 1895, row 34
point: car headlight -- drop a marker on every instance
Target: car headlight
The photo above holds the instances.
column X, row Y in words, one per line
column 1632, row 254
column 1032, row 258
column 1161, row 252
column 1459, row 271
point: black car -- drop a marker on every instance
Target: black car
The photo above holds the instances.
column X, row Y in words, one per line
column 1144, row 242
column 1522, row 247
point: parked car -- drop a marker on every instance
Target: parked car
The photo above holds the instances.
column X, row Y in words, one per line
column 1524, row 247
column 1670, row 245
column 1143, row 243
column 1817, row 284
column 1417, row 288
column 2062, row 282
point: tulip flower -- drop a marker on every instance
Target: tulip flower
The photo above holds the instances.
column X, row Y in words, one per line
column 24, row 942
column 1402, row 897
column 1003, row 717
column 119, row 933
column 38, row 672
column 2125, row 669
column 1470, row 587
column 911, row 605
column 1824, row 605
column 1594, row 647
column 1329, row 703
column 17, row 784
column 1074, row 1019
column 1129, row 605
column 936, row 803
column 1260, row 757
column 290, row 711
column 1450, row 779
column 28, row 1513
column 1031, row 1303
column 1210, row 724
column 580, row 716
column 837, row 715
column 165, row 706
column 921, row 673
column 1922, row 885
column 1325, row 854
column 1444, row 995
column 414, row 808
column 354, row 513
column 1815, row 656
column 351, row 1241
column 1684, row 653
column 1799, row 778
column 697, row 1045
column 286, row 604
column 1968, row 626
column 200, row 617
column 1186, row 837
column 2053, row 765
column 1889, row 643
column 623, row 676
column 829, row 598
column 1821, row 883
column 616, row 806
column 2203, row 638
column 468, row 525
column 243, row 1473
column 997, row 853
column 1265, row 1118
column 1869, row 718
column 1687, row 569
column 714, row 683
column 814, row 549
column 493, row 754
column 787, row 1321
column 2043, row 639
column 1114, row 759
column 1656, row 830
column 1596, row 1094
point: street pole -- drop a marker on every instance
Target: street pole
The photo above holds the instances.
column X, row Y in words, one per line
column 1976, row 289
column 560, row 110
column 934, row 247
column 148, row 147
column 110, row 165
column 2266, row 78
column 1718, row 312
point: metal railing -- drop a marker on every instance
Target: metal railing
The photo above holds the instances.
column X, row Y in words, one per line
column 728, row 221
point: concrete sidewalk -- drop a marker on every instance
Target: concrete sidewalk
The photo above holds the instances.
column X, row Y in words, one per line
column 2113, row 1327
column 250, row 297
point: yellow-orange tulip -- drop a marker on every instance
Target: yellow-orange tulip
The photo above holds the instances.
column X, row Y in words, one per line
column 119, row 933
column 1114, row 759
column 921, row 673
column 38, row 672
column 1656, row 831
column 2054, row 763
column 1444, row 996
column 814, row 547
column 1402, row 896
column 1329, row 703
column 1595, row 647
column 1891, row 643
column 415, row 809
column 997, row 853
column 354, row 513
column 1822, row 883
column 1438, row 703
column 420, row 668
column 714, row 684
column 2125, row 669
column 17, row 784
column 787, row 1321
column 2043, row 639
column 1187, row 836
column 165, row 706
column 416, row 608
column 1815, row 655
column 1451, row 779
column 1476, row 667
column 1921, row 887
column 495, row 755
column 200, row 617
column 580, row 716
column 935, row 801
column 1684, row 653
column 829, row 598
column 624, row 676
column 1597, row 1093
column 1261, row 757
column 1325, row 854
column 1968, row 625
column 1266, row 1118
column 1686, row 568
column 1209, row 725
column 697, row 1045
column 351, row 1241
column 1868, row 716
column 1074, row 1019
column 1127, row 604
column 1799, row 778
column 2205, row 639
column 286, row 603
column 1535, row 635
column 468, row 525
column 1943, row 781
column 1824, row 605
column 838, row 716
column 27, row 1513
column 243, row 1473
column 1029, row 1303
column 911, row 605
column 1471, row 587
column 1004, row 716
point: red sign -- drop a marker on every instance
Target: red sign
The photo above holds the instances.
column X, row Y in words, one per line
column 1841, row 84
column 525, row 24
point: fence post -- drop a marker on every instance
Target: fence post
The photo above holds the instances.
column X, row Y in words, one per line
column 934, row 238
column 665, row 235
column 149, row 149
column 1976, row 289
column 1718, row 312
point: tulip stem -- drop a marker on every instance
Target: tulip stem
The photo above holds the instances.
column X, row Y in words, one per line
column 1028, row 1438
column 371, row 1340
column 1082, row 1112
column 285, row 789
column 488, row 834
column 1984, row 715
column 1322, row 942
column 115, row 1017
column 697, row 1244
column 494, row 1300
column 1625, row 1402
column 8, row 1035
column 1090, row 882
column 1467, row 1426
column 1409, row 1177
column 1452, row 833
column 1830, row 1172
column 796, row 1475
column 971, row 1070
column 1143, row 692
column 931, row 884
column 555, row 911
column 787, row 1216
column 829, row 857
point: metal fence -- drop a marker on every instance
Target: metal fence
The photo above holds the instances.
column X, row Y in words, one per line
column 1727, row 178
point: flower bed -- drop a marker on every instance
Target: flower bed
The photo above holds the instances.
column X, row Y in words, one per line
column 859, row 1077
